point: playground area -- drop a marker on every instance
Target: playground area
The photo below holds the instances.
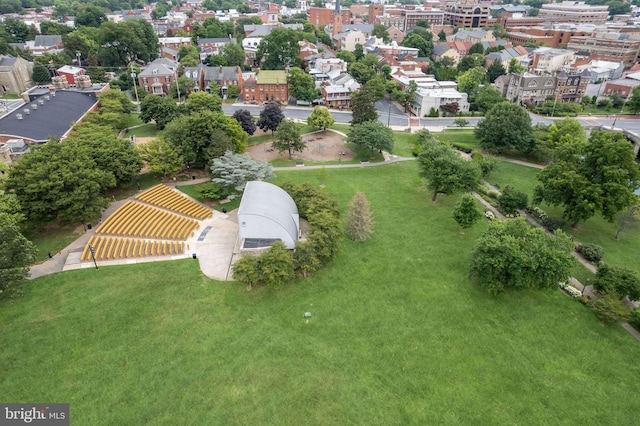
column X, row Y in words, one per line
column 324, row 145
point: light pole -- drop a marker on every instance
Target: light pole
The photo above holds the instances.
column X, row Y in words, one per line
column 135, row 87
column 92, row 249
column 389, row 115
column 615, row 118
column 78, row 55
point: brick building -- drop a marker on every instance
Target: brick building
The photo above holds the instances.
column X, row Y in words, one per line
column 575, row 12
column 469, row 14
column 266, row 86
column 158, row 76
column 559, row 34
column 609, row 46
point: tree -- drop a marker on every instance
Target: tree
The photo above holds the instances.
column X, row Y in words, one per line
column 442, row 36
column 513, row 254
column 461, row 122
column 486, row 97
column 279, row 49
column 445, row 171
column 203, row 101
column 59, row 180
column 506, row 126
column 111, row 154
column 90, row 16
column 346, row 56
column 466, row 211
column 231, row 172
column 233, row 54
column 361, row 72
column 16, row 256
column 161, row 157
column 476, row 48
column 609, row 308
column 301, row 85
column 287, row 138
column 358, row 51
column 359, row 223
column 617, row 280
column 247, row 270
column 305, row 260
column 515, row 67
column 471, row 61
column 495, row 70
column 127, row 41
column 376, row 86
column 633, row 103
column 246, row 121
column 115, row 101
column 41, row 74
column 417, row 41
column 277, row 265
column 363, row 107
column 205, row 135
column 270, row 117
column 159, row 109
column 512, row 200
column 372, row 135
column 600, row 176
column 470, row 80
column 186, row 86
column 320, row 118
column 380, row 31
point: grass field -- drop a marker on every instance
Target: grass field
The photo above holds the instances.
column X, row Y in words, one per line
column 464, row 138
column 398, row 335
column 596, row 230
column 145, row 131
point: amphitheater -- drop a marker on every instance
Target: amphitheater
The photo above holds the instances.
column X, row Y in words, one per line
column 161, row 223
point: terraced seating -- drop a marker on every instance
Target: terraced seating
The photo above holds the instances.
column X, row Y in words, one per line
column 140, row 220
column 113, row 248
column 165, row 197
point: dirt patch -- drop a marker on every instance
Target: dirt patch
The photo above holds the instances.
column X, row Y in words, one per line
column 321, row 146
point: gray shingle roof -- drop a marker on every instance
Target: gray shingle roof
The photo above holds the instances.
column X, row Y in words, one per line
column 52, row 118
column 47, row 40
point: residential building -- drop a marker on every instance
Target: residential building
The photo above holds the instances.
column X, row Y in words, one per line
column 443, row 50
column 506, row 55
column 336, row 90
column 622, row 87
column 42, row 44
column 266, row 86
column 206, row 76
column 348, row 40
column 598, row 70
column 211, row 46
column 547, row 60
column 434, row 17
column 158, row 76
column 571, row 88
column 15, row 75
column 575, row 12
column 435, row 98
column 529, row 88
column 609, row 46
column 475, row 36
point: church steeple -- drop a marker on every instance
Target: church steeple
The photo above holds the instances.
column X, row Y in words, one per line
column 337, row 19
column 337, row 9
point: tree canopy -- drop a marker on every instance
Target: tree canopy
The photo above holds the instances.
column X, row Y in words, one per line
column 287, row 138
column 320, row 118
column 301, row 85
column 159, row 109
column 16, row 256
column 270, row 117
column 506, row 126
column 246, row 121
column 363, row 106
column 466, row 212
column 372, row 135
column 232, row 171
column 279, row 49
column 513, row 254
column 586, row 178
column 445, row 170
column 206, row 135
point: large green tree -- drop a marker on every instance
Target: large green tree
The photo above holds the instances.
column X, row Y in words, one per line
column 159, row 109
column 471, row 79
column 513, row 254
column 320, row 118
column 270, row 117
column 161, row 156
column 287, row 138
column 495, row 70
column 231, row 172
column 371, row 135
column 506, row 126
column 60, row 180
column 634, row 102
column 586, row 178
column 363, row 106
column 486, row 97
column 126, row 41
column 203, row 101
column 90, row 16
column 205, row 135
column 301, row 85
column 16, row 256
column 418, row 41
column 445, row 170
column 470, row 61
column 279, row 49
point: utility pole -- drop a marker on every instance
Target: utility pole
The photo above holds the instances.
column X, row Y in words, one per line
column 177, row 85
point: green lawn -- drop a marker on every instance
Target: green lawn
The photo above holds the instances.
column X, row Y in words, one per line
column 621, row 252
column 398, row 335
column 134, row 119
column 403, row 143
column 52, row 238
column 145, row 131
column 10, row 96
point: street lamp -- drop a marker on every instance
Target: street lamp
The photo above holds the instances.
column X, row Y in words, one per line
column 615, row 118
column 92, row 249
column 135, row 87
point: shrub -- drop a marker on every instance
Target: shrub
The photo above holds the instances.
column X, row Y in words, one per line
column 592, row 252
column 512, row 200
column 493, row 194
column 609, row 308
column 621, row 281
column 211, row 191
column 570, row 290
column 433, row 113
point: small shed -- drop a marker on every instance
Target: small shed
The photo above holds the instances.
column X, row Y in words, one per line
column 267, row 214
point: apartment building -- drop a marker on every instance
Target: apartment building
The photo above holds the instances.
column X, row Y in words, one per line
column 609, row 46
column 575, row 12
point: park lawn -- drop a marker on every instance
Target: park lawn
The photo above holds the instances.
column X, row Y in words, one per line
column 464, row 138
column 398, row 335
column 403, row 143
column 596, row 230
column 257, row 140
column 52, row 238
column 134, row 119
column 146, row 131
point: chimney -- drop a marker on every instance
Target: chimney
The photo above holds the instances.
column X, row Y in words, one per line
column 220, row 69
